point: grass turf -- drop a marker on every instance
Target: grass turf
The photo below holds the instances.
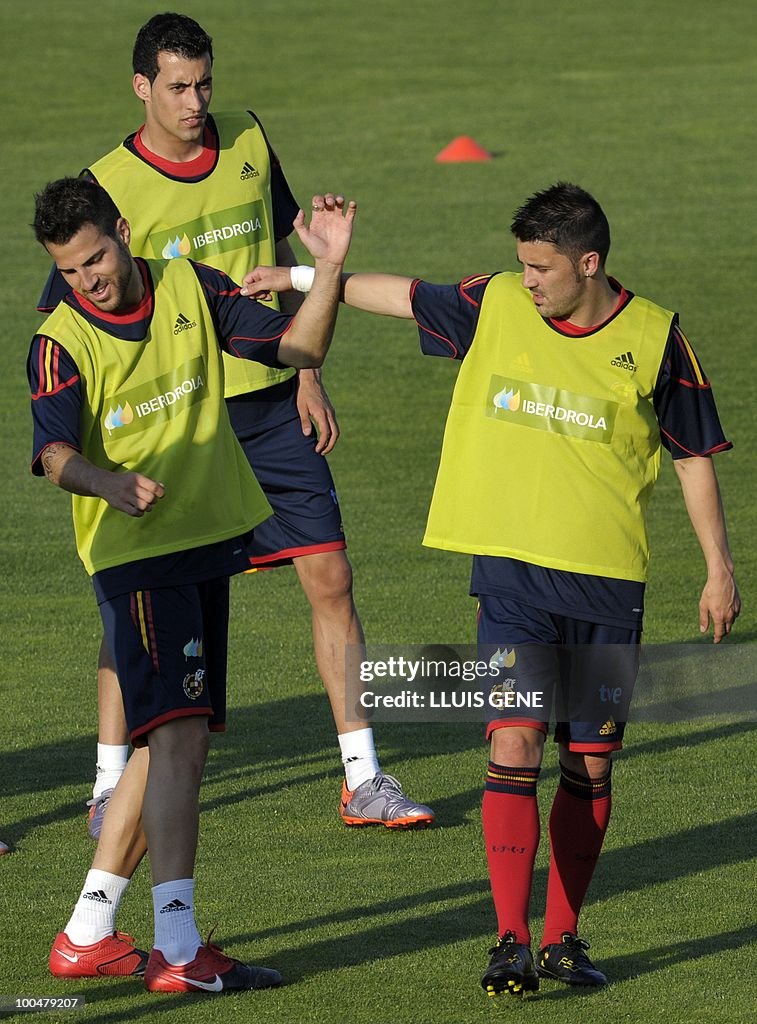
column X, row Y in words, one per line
column 644, row 105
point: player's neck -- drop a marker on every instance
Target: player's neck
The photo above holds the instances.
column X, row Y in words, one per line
column 166, row 146
column 599, row 302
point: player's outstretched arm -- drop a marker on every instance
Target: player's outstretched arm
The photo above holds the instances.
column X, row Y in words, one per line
column 131, row 493
column 386, row 294
column 720, row 602
column 327, row 238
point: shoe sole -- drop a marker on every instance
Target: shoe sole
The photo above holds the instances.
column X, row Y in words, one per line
column 397, row 823
column 162, row 984
column 73, row 975
column 513, row 988
column 73, row 971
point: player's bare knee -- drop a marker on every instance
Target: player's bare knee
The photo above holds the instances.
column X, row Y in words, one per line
column 517, row 747
column 326, row 578
column 183, row 743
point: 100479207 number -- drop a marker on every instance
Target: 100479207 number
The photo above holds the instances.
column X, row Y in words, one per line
column 40, row 1004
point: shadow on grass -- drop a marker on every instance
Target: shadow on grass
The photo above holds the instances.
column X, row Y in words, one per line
column 14, row 832
column 237, row 754
column 664, row 859
column 400, row 938
column 294, row 737
column 47, row 766
column 660, row 958
column 413, row 922
column 101, row 996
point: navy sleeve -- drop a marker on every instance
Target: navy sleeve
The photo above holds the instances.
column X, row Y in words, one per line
column 55, row 290
column 245, row 328
column 56, row 398
column 285, row 206
column 684, row 403
column 447, row 315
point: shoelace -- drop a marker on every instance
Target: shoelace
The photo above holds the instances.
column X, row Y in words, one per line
column 574, row 942
column 102, row 799
column 578, row 947
column 213, row 945
column 386, row 782
column 504, row 940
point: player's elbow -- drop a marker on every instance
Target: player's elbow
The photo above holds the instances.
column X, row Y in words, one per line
column 306, row 360
column 303, row 355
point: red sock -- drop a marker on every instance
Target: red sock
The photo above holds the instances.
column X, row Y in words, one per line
column 511, row 832
column 577, row 825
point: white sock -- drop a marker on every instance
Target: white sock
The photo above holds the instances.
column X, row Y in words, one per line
column 358, row 756
column 176, row 934
column 111, row 761
column 94, row 915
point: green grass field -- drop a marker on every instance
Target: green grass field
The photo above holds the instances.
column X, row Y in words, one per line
column 649, row 106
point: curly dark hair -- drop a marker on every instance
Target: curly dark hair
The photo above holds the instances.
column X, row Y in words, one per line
column 172, row 33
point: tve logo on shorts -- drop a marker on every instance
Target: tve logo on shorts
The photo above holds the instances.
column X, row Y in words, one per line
column 156, row 401
column 236, row 228
column 543, row 407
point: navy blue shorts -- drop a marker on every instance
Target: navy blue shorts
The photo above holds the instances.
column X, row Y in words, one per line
column 588, row 670
column 296, row 480
column 170, row 646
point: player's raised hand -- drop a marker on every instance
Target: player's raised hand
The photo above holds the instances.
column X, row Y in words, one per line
column 328, row 235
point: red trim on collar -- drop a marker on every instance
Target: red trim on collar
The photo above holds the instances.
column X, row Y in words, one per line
column 201, row 164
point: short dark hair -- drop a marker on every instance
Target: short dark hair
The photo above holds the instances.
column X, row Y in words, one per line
column 64, row 206
column 568, row 217
column 173, row 33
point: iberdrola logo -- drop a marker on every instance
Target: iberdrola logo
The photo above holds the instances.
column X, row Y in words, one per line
column 176, row 247
column 507, row 398
column 122, row 416
column 193, row 649
column 502, row 658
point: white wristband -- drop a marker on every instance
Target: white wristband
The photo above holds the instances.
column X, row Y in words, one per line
column 302, row 278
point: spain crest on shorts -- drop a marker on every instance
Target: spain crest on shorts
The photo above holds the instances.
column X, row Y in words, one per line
column 194, row 684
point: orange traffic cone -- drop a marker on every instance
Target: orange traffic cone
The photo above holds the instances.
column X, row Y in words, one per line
column 461, row 150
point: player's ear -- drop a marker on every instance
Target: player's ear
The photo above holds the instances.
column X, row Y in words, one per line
column 142, row 87
column 123, row 228
column 589, row 264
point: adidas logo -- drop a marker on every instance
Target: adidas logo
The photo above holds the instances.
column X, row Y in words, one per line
column 248, row 171
column 97, row 896
column 183, row 323
column 608, row 728
column 625, row 362
column 173, row 906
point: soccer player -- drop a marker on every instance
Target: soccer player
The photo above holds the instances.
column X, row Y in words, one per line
column 569, row 386
column 210, row 187
column 127, row 397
